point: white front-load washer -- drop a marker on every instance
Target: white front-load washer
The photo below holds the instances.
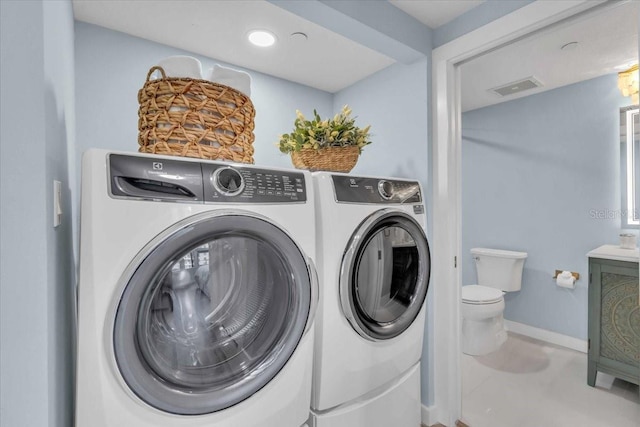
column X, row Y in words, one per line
column 373, row 265
column 196, row 294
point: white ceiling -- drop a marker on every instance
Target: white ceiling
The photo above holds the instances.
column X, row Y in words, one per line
column 607, row 41
column 218, row 29
column 330, row 61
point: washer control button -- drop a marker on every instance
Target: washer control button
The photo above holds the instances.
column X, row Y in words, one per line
column 385, row 188
column 228, row 181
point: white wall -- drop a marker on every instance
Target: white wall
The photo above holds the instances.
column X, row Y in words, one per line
column 36, row 113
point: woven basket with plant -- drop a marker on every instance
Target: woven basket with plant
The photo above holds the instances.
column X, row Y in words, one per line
column 328, row 145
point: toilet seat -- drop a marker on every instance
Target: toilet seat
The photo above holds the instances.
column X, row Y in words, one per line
column 476, row 294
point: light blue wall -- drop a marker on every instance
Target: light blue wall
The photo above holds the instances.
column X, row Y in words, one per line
column 395, row 101
column 59, row 102
column 111, row 67
column 22, row 140
column 36, row 280
column 533, row 172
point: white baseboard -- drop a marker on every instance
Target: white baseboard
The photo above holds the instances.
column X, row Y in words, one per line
column 428, row 415
column 547, row 336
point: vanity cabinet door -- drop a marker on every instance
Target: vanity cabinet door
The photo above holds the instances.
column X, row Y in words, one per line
column 614, row 320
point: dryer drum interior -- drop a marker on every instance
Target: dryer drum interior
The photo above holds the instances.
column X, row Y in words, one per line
column 386, row 278
column 212, row 314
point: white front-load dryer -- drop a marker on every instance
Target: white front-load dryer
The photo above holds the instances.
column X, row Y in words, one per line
column 196, row 294
column 373, row 265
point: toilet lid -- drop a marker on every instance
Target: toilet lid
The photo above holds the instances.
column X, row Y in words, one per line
column 477, row 294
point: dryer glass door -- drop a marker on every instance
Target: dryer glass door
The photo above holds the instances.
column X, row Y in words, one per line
column 385, row 275
column 212, row 311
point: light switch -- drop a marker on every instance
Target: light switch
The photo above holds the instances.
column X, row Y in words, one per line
column 57, row 203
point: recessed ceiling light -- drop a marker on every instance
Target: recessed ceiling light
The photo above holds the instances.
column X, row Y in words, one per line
column 261, row 38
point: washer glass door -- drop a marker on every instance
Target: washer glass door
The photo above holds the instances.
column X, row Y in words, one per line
column 212, row 313
column 385, row 275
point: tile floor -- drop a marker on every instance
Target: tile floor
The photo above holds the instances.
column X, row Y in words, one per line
column 530, row 383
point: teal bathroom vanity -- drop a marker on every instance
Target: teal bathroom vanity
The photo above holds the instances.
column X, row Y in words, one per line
column 614, row 314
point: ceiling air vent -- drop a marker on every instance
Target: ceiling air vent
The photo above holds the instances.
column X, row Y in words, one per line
column 516, row 87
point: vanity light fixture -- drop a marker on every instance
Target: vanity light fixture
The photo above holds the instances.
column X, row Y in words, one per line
column 628, row 83
column 261, row 38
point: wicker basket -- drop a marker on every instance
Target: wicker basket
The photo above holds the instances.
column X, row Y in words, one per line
column 334, row 159
column 194, row 118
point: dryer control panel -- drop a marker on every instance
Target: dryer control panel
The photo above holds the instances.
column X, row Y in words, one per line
column 353, row 189
column 185, row 180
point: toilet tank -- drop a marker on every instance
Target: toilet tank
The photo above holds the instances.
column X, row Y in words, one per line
column 499, row 269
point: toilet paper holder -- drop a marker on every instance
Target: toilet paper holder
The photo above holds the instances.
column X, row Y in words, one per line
column 575, row 275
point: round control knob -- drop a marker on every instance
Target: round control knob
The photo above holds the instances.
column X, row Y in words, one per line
column 228, row 181
column 385, row 188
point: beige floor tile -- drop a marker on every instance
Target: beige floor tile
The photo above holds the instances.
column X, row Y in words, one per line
column 530, row 383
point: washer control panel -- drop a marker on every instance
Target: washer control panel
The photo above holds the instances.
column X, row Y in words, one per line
column 237, row 184
column 158, row 179
column 186, row 180
column 353, row 189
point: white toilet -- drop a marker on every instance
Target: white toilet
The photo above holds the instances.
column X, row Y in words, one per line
column 499, row 271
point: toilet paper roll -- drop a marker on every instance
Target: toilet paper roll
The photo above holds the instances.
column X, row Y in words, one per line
column 566, row 280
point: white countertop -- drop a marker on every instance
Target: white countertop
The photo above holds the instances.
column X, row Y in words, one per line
column 615, row 252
